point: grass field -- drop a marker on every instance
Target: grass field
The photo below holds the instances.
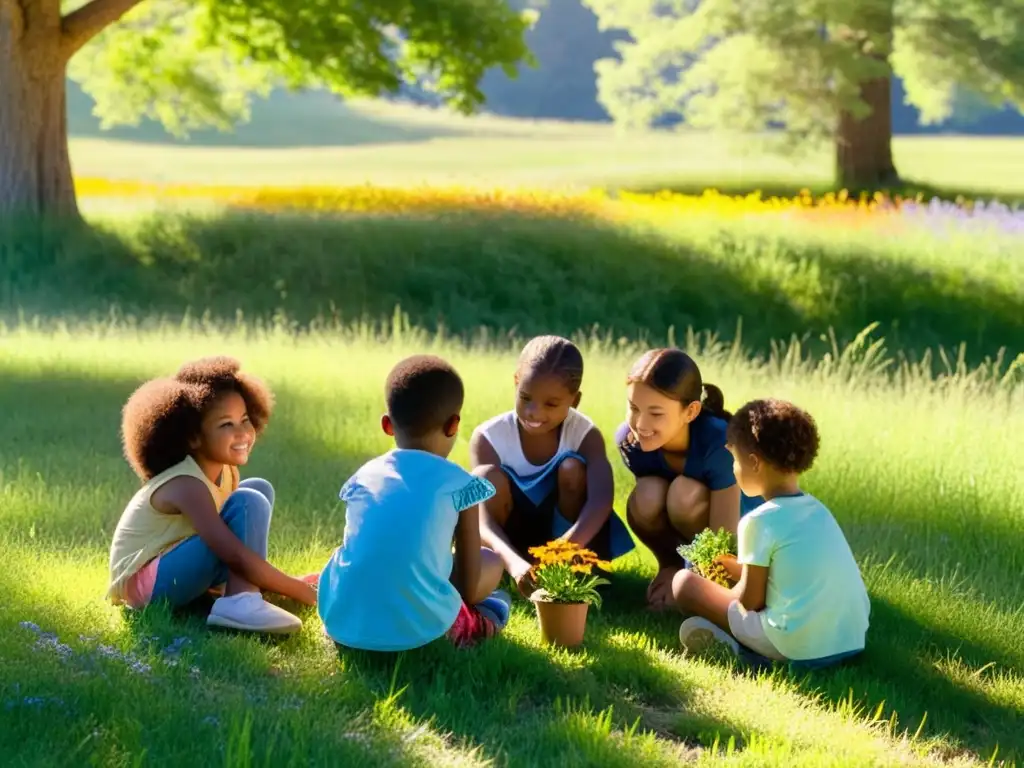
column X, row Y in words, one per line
column 315, row 139
column 925, row 479
column 920, row 462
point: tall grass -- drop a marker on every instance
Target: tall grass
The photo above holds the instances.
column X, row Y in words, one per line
column 922, row 471
column 543, row 269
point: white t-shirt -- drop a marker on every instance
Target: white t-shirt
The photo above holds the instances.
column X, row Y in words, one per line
column 816, row 605
column 502, row 432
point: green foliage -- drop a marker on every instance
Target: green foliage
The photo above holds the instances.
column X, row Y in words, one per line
column 564, row 573
column 197, row 64
column 733, row 65
column 560, row 584
column 705, row 547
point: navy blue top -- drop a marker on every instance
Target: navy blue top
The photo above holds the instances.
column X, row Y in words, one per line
column 708, row 461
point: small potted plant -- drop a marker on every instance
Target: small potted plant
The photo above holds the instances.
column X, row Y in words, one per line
column 566, row 588
column 712, row 554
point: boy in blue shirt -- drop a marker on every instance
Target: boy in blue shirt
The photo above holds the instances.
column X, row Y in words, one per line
column 799, row 596
column 394, row 583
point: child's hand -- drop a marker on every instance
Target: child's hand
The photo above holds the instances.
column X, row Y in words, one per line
column 304, row 592
column 522, row 574
column 731, row 565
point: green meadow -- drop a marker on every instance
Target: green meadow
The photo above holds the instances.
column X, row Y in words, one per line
column 905, row 347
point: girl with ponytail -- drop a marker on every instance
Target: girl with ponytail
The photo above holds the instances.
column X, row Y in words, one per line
column 673, row 441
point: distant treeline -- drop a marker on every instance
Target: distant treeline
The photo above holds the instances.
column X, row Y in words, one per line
column 566, row 41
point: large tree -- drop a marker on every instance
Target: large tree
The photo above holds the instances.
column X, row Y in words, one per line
column 189, row 63
column 819, row 70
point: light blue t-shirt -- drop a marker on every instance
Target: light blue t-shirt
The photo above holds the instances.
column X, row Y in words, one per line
column 387, row 588
column 816, row 604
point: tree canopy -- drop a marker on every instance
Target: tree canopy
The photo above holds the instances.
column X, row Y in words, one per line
column 801, row 65
column 191, row 64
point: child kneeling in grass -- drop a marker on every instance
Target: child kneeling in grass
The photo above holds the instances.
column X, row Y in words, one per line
column 799, row 596
column 394, row 584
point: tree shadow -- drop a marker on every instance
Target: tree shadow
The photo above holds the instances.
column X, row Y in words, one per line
column 465, row 270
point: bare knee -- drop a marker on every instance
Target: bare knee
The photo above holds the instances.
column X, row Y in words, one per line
column 499, row 505
column 688, row 503
column 683, row 588
column 647, row 502
column 572, row 488
column 572, row 476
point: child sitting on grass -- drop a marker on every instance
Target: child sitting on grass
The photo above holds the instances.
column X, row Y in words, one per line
column 799, row 596
column 393, row 584
column 548, row 463
column 193, row 525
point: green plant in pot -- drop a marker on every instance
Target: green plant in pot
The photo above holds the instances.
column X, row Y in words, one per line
column 566, row 588
column 712, row 554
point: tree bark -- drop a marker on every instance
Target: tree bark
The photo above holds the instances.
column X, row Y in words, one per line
column 35, row 166
column 864, row 146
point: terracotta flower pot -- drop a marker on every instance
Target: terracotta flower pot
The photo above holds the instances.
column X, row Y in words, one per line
column 561, row 623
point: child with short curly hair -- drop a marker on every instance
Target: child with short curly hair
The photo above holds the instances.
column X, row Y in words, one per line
column 194, row 524
column 799, row 596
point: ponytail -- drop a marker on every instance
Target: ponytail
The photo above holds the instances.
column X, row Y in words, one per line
column 713, row 401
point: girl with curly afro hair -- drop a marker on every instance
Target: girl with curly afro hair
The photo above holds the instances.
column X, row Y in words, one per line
column 799, row 596
column 194, row 524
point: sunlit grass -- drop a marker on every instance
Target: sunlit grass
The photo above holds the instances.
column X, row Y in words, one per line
column 924, row 475
column 315, row 139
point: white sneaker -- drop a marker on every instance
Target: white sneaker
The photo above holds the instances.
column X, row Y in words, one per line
column 249, row 612
column 697, row 634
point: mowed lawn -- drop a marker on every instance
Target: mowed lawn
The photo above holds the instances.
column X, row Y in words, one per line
column 926, row 479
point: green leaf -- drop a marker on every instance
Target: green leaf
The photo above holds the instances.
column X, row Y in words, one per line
column 195, row 64
column 739, row 66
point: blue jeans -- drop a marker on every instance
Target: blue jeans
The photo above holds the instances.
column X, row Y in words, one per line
column 191, row 568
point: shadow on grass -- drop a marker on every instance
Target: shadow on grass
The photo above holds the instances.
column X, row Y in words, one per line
column 561, row 697
column 513, row 272
column 907, row 666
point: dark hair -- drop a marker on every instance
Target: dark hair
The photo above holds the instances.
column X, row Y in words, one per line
column 674, row 374
column 553, row 355
column 163, row 415
column 778, row 432
column 422, row 393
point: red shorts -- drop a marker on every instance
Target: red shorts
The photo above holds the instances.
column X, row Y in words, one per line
column 470, row 627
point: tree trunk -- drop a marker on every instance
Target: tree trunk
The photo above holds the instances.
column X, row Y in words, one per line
column 864, row 147
column 35, row 167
